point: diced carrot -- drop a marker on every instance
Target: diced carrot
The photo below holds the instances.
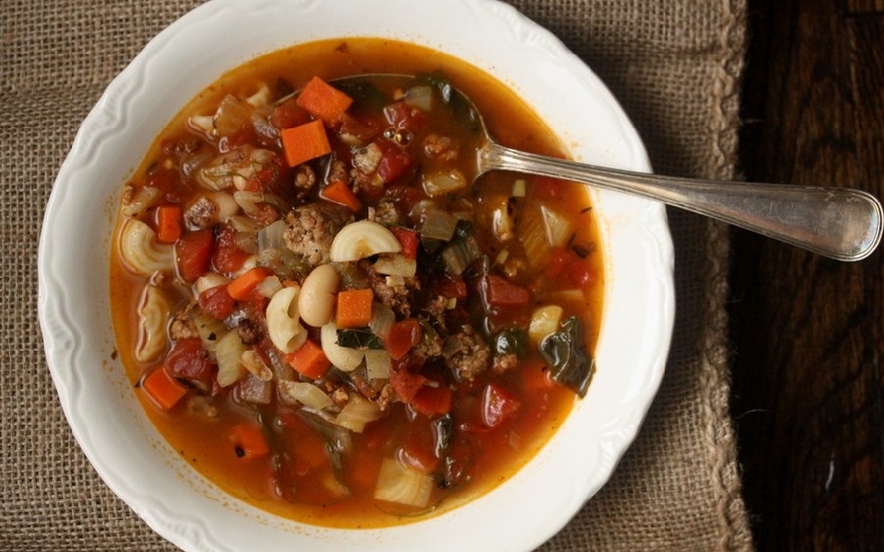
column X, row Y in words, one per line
column 240, row 287
column 249, row 441
column 309, row 360
column 168, row 223
column 304, row 142
column 323, row 101
column 163, row 390
column 338, row 192
column 354, row 308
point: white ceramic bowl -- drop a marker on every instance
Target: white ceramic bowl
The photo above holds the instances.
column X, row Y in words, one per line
column 104, row 414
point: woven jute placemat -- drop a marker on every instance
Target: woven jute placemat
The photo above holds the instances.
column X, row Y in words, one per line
column 675, row 67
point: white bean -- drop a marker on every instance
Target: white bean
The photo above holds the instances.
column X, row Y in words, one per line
column 317, row 299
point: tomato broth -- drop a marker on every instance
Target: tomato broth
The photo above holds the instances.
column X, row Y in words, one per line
column 450, row 325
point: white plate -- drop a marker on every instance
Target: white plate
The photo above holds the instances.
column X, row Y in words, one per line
column 108, row 422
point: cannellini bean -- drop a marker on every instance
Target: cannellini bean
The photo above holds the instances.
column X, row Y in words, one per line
column 344, row 358
column 317, row 299
column 283, row 321
column 362, row 239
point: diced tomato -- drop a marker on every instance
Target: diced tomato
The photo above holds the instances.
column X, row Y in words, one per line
column 453, row 288
column 432, row 399
column 404, row 117
column 403, row 335
column 288, row 114
column 189, row 361
column 405, row 383
column 216, row 302
column 498, row 405
column 408, row 239
column 228, row 256
column 193, row 253
column 268, row 177
column 245, row 135
column 500, row 292
column 394, row 162
column 566, row 265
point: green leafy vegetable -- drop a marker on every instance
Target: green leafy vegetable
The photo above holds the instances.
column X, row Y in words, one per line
column 571, row 365
column 359, row 338
column 511, row 341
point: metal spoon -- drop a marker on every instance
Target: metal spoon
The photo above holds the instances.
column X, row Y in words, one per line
column 839, row 223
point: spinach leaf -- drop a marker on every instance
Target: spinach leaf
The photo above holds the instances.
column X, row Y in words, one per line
column 359, row 338
column 571, row 365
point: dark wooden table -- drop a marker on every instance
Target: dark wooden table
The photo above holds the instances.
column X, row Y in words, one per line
column 808, row 333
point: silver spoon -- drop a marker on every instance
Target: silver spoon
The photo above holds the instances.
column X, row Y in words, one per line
column 839, row 223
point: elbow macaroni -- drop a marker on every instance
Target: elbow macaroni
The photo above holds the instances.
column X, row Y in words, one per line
column 152, row 340
column 283, row 321
column 140, row 250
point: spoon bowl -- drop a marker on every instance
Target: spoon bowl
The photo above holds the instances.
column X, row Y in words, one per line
column 839, row 223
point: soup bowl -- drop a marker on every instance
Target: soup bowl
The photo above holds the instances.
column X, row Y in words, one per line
column 110, row 424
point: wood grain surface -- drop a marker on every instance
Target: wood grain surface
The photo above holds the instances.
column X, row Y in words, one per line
column 808, row 333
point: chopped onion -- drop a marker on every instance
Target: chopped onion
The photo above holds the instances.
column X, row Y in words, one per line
column 299, row 392
column 532, row 234
column 254, row 390
column 403, row 485
column 228, row 351
column 377, row 364
column 420, row 97
column 357, row 412
column 519, row 187
column 271, row 236
column 438, row 225
column 256, row 366
column 231, row 115
column 459, row 255
column 441, row 183
column 382, row 320
column 269, row 286
column 558, row 228
column 396, row 265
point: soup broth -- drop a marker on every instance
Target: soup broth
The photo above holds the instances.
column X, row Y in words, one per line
column 324, row 316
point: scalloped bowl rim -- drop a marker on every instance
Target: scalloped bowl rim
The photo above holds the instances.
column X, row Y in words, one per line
column 73, row 304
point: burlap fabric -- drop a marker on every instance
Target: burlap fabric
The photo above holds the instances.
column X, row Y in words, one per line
column 674, row 65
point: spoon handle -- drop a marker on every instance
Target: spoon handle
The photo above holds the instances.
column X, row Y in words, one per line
column 838, row 223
